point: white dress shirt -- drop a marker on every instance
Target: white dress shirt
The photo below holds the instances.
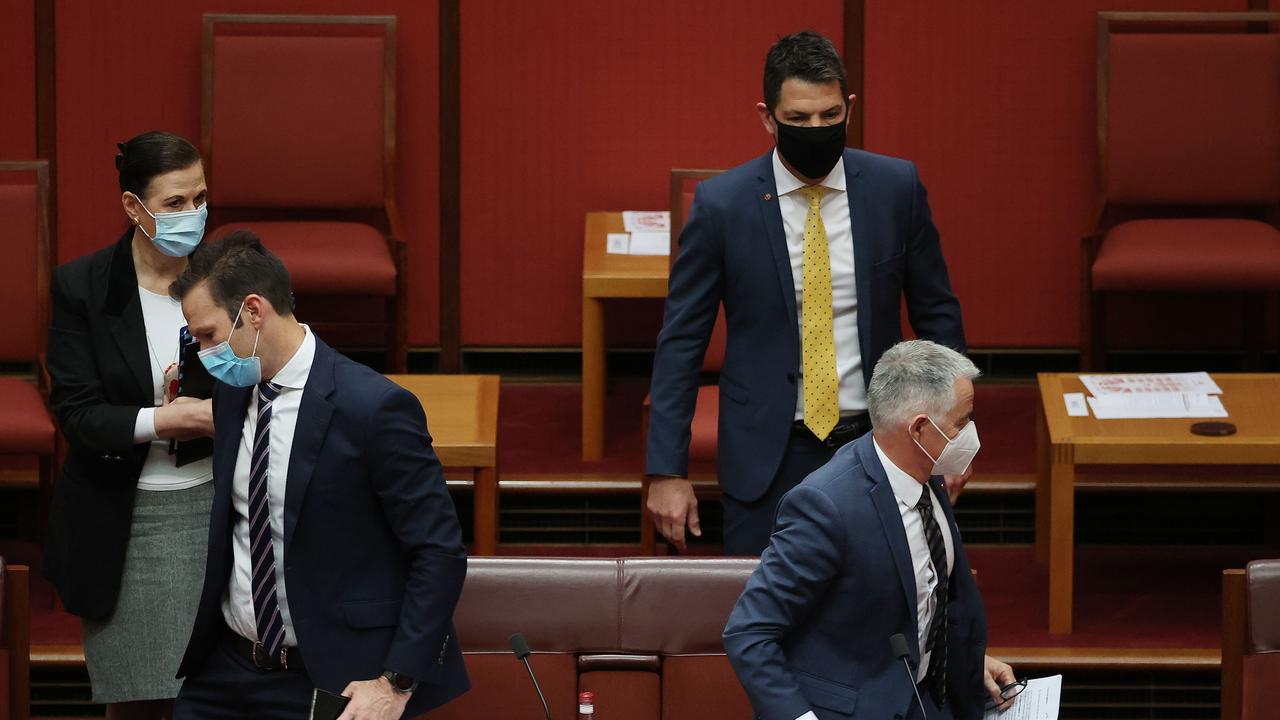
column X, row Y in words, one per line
column 907, row 491
column 237, row 602
column 844, row 293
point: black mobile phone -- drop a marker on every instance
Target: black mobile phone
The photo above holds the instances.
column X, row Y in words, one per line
column 326, row 705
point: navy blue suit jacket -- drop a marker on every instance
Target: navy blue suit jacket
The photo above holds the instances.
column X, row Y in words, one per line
column 811, row 631
column 374, row 560
column 733, row 250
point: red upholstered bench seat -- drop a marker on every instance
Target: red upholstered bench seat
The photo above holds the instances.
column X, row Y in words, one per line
column 1189, row 254
column 26, row 427
column 328, row 258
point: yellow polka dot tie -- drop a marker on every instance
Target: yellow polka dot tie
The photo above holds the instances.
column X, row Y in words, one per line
column 817, row 340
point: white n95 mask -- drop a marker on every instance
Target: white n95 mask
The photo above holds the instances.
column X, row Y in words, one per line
column 958, row 454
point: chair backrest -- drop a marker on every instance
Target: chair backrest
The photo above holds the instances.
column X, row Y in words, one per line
column 299, row 110
column 1189, row 108
column 697, row 680
column 1251, row 641
column 562, row 606
column 24, row 276
column 682, row 186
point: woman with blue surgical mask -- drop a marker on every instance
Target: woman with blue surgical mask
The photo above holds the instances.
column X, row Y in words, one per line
column 128, row 528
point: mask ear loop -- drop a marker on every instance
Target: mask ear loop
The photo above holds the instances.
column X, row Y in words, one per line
column 145, row 210
column 944, row 437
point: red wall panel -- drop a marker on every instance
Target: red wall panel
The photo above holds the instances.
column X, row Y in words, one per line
column 125, row 68
column 17, row 80
column 582, row 105
column 995, row 103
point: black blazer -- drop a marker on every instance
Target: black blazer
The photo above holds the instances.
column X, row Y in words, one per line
column 374, row 560
column 101, row 377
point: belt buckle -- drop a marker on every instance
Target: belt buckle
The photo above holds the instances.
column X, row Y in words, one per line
column 262, row 660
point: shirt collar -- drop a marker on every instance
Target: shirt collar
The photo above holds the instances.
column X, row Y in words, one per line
column 294, row 374
column 784, row 182
column 905, row 488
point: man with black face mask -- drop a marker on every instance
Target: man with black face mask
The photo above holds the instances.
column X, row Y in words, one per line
column 810, row 248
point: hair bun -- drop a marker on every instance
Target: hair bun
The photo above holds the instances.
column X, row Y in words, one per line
column 120, row 156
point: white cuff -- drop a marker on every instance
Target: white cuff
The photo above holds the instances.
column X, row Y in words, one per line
column 808, row 716
column 144, row 427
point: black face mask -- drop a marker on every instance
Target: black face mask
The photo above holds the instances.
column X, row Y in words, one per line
column 812, row 151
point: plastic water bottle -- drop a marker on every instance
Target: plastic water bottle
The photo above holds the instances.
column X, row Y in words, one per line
column 587, row 706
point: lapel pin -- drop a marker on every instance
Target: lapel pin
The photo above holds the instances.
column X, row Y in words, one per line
column 768, row 196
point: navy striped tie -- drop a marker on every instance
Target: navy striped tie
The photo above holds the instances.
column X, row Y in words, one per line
column 266, row 606
column 936, row 678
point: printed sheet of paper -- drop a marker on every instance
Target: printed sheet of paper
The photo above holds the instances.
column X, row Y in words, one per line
column 1039, row 701
column 646, row 221
column 1193, row 382
column 1076, row 406
column 618, row 243
column 1146, row 405
column 650, row 243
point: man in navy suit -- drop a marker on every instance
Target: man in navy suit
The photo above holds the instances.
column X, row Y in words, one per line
column 810, row 248
column 335, row 555
column 866, row 548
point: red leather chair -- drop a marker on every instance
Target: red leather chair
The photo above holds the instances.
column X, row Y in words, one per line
column 26, row 427
column 1251, row 641
column 299, row 136
column 706, row 415
column 15, row 643
column 1189, row 158
column 564, row 607
column 697, row 680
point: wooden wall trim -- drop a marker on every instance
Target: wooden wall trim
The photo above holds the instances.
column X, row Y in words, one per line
column 46, row 111
column 854, row 37
column 450, row 186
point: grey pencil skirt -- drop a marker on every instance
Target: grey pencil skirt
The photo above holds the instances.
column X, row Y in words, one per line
column 134, row 654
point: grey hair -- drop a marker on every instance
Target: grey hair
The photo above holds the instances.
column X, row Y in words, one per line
column 915, row 377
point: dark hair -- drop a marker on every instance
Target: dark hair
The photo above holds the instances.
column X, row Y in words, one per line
column 806, row 56
column 153, row 153
column 234, row 267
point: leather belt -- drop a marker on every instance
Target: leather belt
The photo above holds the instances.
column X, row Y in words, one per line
column 850, row 428
column 290, row 658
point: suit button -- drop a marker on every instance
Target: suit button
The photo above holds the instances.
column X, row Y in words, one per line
column 440, row 661
column 791, row 378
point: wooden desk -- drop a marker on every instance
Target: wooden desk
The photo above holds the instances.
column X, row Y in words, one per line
column 462, row 416
column 607, row 276
column 1063, row 442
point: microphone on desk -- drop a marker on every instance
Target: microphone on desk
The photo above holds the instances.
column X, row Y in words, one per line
column 898, row 644
column 522, row 651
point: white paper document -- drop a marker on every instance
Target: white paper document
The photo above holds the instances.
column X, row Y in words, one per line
column 1039, row 701
column 618, row 243
column 1136, row 406
column 650, row 243
column 646, row 221
column 1076, row 406
column 1192, row 382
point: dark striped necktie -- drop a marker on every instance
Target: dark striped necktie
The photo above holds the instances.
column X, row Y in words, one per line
column 266, row 606
column 936, row 641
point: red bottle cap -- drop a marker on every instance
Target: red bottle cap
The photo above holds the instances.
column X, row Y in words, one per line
column 587, row 698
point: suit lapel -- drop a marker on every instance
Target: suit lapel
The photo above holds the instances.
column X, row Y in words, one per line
column 308, row 435
column 230, row 406
column 123, row 312
column 767, row 199
column 861, row 254
column 891, row 521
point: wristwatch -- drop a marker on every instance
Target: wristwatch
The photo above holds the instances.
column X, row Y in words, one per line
column 400, row 682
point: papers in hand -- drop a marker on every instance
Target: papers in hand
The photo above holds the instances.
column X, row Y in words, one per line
column 1039, row 701
column 1192, row 382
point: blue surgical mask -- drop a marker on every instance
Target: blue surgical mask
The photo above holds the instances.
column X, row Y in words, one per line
column 223, row 363
column 177, row 233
